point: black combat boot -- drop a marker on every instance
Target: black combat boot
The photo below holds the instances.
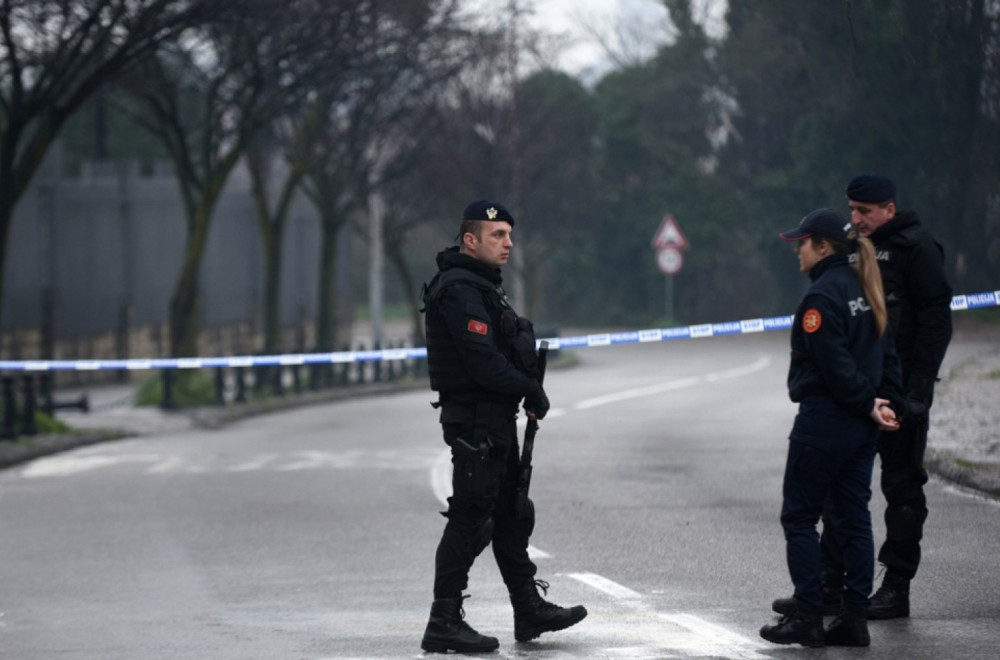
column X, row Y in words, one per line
column 797, row 628
column 833, row 603
column 534, row 615
column 892, row 600
column 848, row 629
column 447, row 631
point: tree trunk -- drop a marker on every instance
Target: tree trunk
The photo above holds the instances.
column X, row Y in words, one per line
column 272, row 289
column 185, row 303
column 7, row 205
column 395, row 253
column 326, row 326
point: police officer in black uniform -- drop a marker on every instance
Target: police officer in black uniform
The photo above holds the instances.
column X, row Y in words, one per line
column 918, row 297
column 482, row 361
column 843, row 374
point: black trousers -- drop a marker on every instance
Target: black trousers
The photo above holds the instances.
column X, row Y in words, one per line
column 485, row 457
column 901, row 454
column 831, row 455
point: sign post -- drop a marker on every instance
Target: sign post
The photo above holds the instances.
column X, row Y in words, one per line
column 669, row 241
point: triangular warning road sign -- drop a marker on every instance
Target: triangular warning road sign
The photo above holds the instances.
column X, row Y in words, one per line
column 669, row 234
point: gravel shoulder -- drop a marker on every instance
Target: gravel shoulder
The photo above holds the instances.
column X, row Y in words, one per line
column 964, row 440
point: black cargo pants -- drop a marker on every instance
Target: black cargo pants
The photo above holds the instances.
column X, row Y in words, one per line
column 484, row 457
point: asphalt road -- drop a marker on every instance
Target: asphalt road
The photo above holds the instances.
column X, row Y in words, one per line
column 311, row 533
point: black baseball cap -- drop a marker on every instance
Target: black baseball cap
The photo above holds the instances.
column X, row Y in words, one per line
column 821, row 223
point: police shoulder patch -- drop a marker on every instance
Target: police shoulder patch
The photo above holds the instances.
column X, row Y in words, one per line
column 812, row 320
column 477, row 327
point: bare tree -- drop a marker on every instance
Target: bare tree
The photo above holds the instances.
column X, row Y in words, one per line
column 54, row 56
column 414, row 48
column 204, row 97
column 328, row 40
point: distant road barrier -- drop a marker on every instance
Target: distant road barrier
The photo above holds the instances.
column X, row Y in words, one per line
column 747, row 326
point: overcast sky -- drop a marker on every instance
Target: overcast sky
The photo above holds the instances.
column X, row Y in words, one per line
column 587, row 29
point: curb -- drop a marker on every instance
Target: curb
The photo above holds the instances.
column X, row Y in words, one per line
column 23, row 450
column 984, row 478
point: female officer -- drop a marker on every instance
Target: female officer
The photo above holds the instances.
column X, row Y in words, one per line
column 843, row 374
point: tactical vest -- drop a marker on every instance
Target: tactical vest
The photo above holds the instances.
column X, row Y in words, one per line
column 514, row 336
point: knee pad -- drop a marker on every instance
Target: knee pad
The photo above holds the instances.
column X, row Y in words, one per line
column 527, row 519
column 904, row 522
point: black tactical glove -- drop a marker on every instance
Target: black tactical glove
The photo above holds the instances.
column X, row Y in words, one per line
column 537, row 403
column 917, row 402
column 913, row 413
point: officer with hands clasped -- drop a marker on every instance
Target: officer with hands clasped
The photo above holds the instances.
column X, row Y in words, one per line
column 482, row 361
column 918, row 300
column 844, row 374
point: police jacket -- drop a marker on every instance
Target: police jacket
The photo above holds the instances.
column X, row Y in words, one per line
column 478, row 349
column 836, row 349
column 918, row 297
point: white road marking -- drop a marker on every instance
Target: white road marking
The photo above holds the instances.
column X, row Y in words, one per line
column 65, row 465
column 761, row 363
column 168, row 464
column 62, row 465
column 714, row 636
column 699, row 638
column 256, row 463
column 441, row 477
column 609, row 587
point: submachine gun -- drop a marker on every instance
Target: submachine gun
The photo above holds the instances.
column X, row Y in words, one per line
column 523, row 507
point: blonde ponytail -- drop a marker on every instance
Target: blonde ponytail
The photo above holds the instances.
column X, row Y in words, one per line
column 866, row 266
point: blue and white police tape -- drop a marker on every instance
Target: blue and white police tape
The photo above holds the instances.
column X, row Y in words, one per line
column 746, row 326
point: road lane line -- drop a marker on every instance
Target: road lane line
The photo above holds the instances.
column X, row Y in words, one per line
column 441, row 477
column 63, row 465
column 168, row 464
column 760, row 363
column 715, row 635
column 700, row 638
column 705, row 637
column 609, row 587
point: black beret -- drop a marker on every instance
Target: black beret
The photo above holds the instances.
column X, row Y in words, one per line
column 821, row 223
column 487, row 210
column 871, row 189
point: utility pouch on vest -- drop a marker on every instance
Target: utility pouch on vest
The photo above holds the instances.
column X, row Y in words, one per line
column 521, row 338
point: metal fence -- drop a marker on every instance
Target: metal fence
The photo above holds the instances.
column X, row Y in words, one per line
column 92, row 254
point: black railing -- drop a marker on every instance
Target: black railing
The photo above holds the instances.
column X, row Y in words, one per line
column 18, row 405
